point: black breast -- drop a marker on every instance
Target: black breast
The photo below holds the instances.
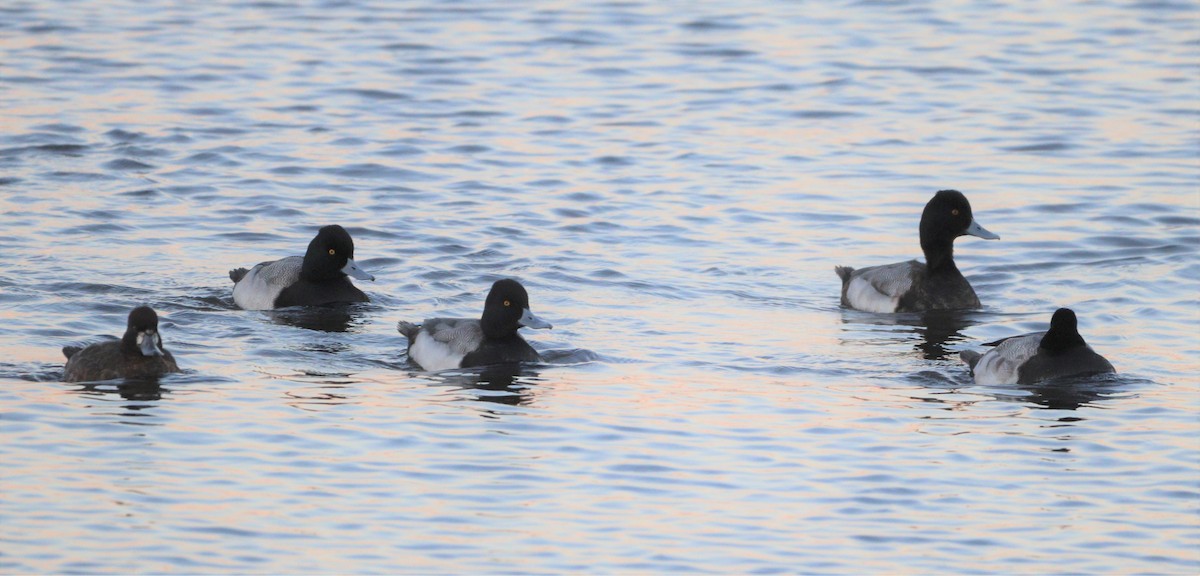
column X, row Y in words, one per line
column 501, row 351
column 946, row 290
column 307, row 293
column 1078, row 361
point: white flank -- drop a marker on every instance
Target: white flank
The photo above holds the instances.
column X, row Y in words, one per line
column 253, row 293
column 862, row 295
column 432, row 355
column 1000, row 365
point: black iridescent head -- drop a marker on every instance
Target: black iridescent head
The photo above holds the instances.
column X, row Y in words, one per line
column 506, row 309
column 946, row 217
column 1063, row 334
column 141, row 333
column 331, row 256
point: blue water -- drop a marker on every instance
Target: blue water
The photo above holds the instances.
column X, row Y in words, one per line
column 673, row 183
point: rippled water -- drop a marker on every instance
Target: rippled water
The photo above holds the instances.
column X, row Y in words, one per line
column 674, row 184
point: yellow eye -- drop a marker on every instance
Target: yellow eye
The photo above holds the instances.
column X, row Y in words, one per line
column 332, row 251
column 507, row 303
column 954, row 212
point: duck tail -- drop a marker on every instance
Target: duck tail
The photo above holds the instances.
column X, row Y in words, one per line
column 843, row 272
column 408, row 329
column 70, row 351
column 971, row 357
column 237, row 274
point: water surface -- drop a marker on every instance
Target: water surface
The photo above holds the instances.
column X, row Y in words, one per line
column 674, row 184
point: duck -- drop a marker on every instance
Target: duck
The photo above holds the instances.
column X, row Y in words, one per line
column 1029, row 358
column 318, row 278
column 914, row 286
column 139, row 354
column 446, row 343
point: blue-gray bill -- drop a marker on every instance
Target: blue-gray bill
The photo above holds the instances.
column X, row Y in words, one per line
column 976, row 230
column 530, row 320
column 351, row 269
column 148, row 343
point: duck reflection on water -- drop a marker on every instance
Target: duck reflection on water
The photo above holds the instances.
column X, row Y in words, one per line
column 134, row 389
column 332, row 318
column 509, row 384
column 1069, row 393
column 936, row 330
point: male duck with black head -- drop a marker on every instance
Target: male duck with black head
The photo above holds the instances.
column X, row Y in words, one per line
column 139, row 354
column 1059, row 352
column 318, row 278
column 445, row 343
column 913, row 286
